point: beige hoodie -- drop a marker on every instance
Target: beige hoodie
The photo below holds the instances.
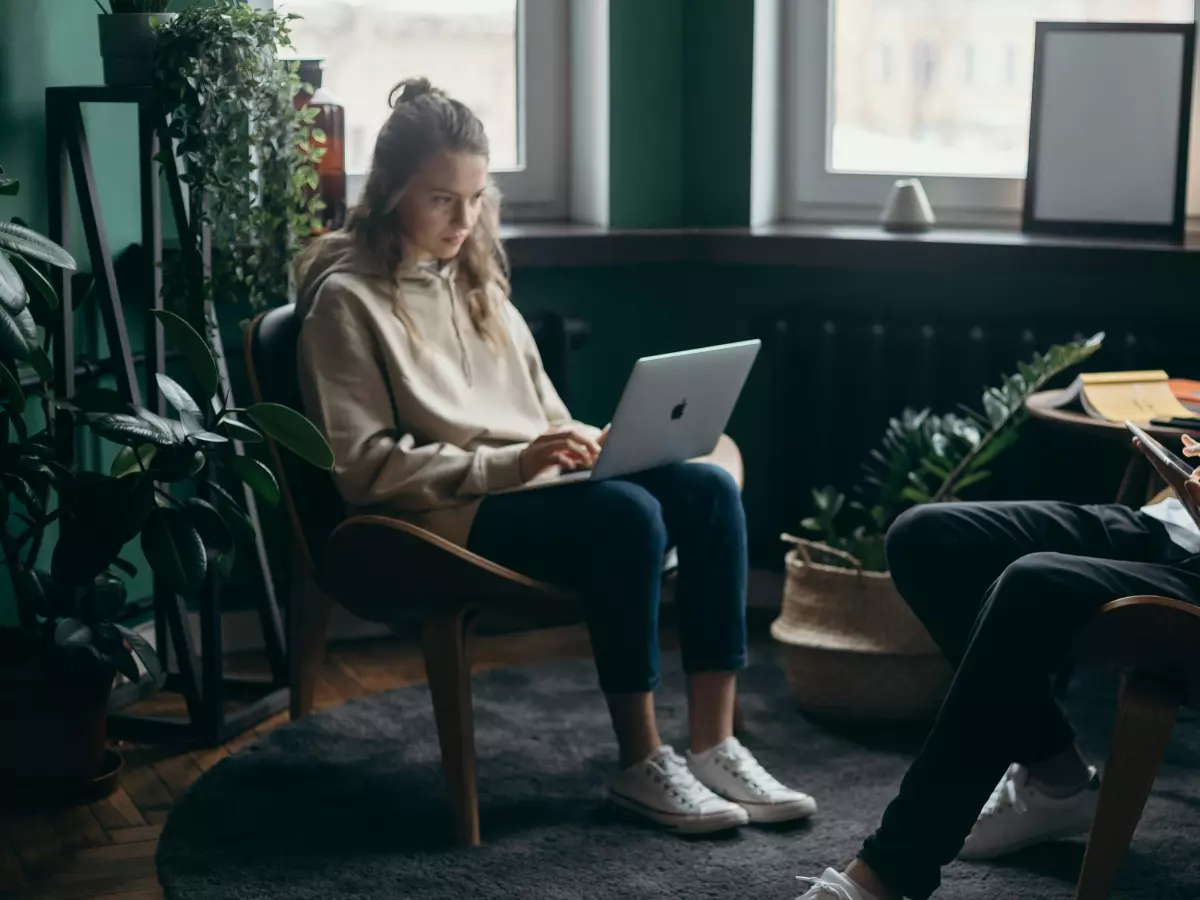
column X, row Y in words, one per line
column 421, row 426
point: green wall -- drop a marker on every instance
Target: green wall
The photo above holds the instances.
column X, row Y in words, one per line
column 47, row 43
column 680, row 101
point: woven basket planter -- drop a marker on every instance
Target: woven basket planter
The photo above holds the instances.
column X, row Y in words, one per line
column 851, row 647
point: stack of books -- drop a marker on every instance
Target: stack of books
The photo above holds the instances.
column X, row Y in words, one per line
column 1149, row 396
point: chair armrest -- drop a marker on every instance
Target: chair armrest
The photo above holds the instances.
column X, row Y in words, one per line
column 727, row 455
column 383, row 569
column 1157, row 636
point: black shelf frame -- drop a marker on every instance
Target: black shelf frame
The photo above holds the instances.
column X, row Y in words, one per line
column 200, row 677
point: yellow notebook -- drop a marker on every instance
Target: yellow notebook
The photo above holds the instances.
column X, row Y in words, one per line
column 1136, row 395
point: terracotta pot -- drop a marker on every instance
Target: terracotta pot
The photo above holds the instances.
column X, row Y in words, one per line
column 58, row 731
column 127, row 45
column 851, row 647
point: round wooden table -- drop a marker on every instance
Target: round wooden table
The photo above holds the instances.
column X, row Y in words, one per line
column 1139, row 474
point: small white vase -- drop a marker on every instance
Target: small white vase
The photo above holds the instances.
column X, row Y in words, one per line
column 127, row 45
column 907, row 210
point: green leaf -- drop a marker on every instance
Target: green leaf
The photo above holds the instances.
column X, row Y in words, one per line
column 22, row 240
column 253, row 473
column 12, row 288
column 106, row 598
column 293, row 431
column 194, row 349
column 175, row 551
column 131, row 461
column 130, row 430
column 176, row 395
column 42, row 365
column 126, row 664
column 72, row 633
column 239, row 431
column 18, row 334
column 914, row 495
column 14, row 396
column 233, row 514
column 141, row 647
column 214, row 531
column 968, row 480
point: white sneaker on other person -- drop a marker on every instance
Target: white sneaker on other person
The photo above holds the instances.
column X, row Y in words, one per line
column 662, row 789
column 1019, row 814
column 732, row 772
column 833, row 885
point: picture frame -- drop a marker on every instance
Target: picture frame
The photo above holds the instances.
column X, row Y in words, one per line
column 1109, row 130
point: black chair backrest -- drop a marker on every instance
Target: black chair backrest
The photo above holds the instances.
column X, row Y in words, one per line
column 313, row 503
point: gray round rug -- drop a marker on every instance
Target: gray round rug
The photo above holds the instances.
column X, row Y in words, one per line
column 350, row 803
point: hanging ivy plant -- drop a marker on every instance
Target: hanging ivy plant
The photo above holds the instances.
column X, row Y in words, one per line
column 246, row 155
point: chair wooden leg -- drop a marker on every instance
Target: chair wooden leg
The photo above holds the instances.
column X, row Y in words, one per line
column 448, row 666
column 309, row 609
column 1145, row 717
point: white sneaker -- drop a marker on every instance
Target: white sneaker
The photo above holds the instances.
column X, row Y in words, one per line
column 732, row 772
column 662, row 789
column 1019, row 814
column 833, row 885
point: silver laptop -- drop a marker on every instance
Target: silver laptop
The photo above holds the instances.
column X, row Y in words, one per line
column 674, row 408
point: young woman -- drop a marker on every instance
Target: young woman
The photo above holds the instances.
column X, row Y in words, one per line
column 429, row 388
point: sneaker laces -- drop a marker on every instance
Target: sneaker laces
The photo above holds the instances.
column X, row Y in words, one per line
column 672, row 771
column 1004, row 796
column 739, row 761
column 819, row 887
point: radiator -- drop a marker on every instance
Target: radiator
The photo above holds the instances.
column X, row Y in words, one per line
column 834, row 384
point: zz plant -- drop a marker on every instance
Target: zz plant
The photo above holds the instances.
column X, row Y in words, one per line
column 926, row 458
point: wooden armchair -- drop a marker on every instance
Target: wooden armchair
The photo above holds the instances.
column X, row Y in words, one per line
column 385, row 570
column 1155, row 643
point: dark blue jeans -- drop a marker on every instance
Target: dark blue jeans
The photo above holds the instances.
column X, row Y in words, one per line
column 608, row 541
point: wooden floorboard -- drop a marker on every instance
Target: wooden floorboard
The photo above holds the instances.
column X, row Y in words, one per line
column 105, row 850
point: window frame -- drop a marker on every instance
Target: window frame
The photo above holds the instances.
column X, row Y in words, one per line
column 810, row 192
column 538, row 189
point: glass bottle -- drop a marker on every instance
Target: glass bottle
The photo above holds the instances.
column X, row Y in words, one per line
column 331, row 119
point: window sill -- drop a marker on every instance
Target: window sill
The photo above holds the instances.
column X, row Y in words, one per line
column 813, row 245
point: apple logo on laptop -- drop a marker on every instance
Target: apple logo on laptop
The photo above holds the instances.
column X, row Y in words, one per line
column 677, row 411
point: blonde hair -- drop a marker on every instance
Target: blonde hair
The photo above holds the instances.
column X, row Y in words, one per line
column 424, row 121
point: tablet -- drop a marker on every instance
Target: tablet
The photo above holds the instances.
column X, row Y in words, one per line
column 1158, row 450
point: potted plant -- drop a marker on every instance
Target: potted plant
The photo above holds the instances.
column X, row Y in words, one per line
column 248, row 154
column 64, row 528
column 129, row 38
column 852, row 648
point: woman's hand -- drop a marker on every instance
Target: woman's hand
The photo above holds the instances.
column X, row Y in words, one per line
column 569, row 448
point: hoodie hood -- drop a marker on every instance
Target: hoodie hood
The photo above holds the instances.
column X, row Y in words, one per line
column 328, row 255
column 339, row 252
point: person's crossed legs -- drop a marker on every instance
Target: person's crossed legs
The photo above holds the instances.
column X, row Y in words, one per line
column 1039, row 571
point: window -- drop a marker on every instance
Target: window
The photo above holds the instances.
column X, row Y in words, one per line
column 962, row 128
column 506, row 59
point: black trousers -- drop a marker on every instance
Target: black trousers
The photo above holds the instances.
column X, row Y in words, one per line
column 1002, row 588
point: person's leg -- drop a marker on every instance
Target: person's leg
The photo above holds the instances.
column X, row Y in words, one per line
column 702, row 508
column 608, row 541
column 944, row 557
column 991, row 714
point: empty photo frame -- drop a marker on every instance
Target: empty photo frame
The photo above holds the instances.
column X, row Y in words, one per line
column 1108, row 130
